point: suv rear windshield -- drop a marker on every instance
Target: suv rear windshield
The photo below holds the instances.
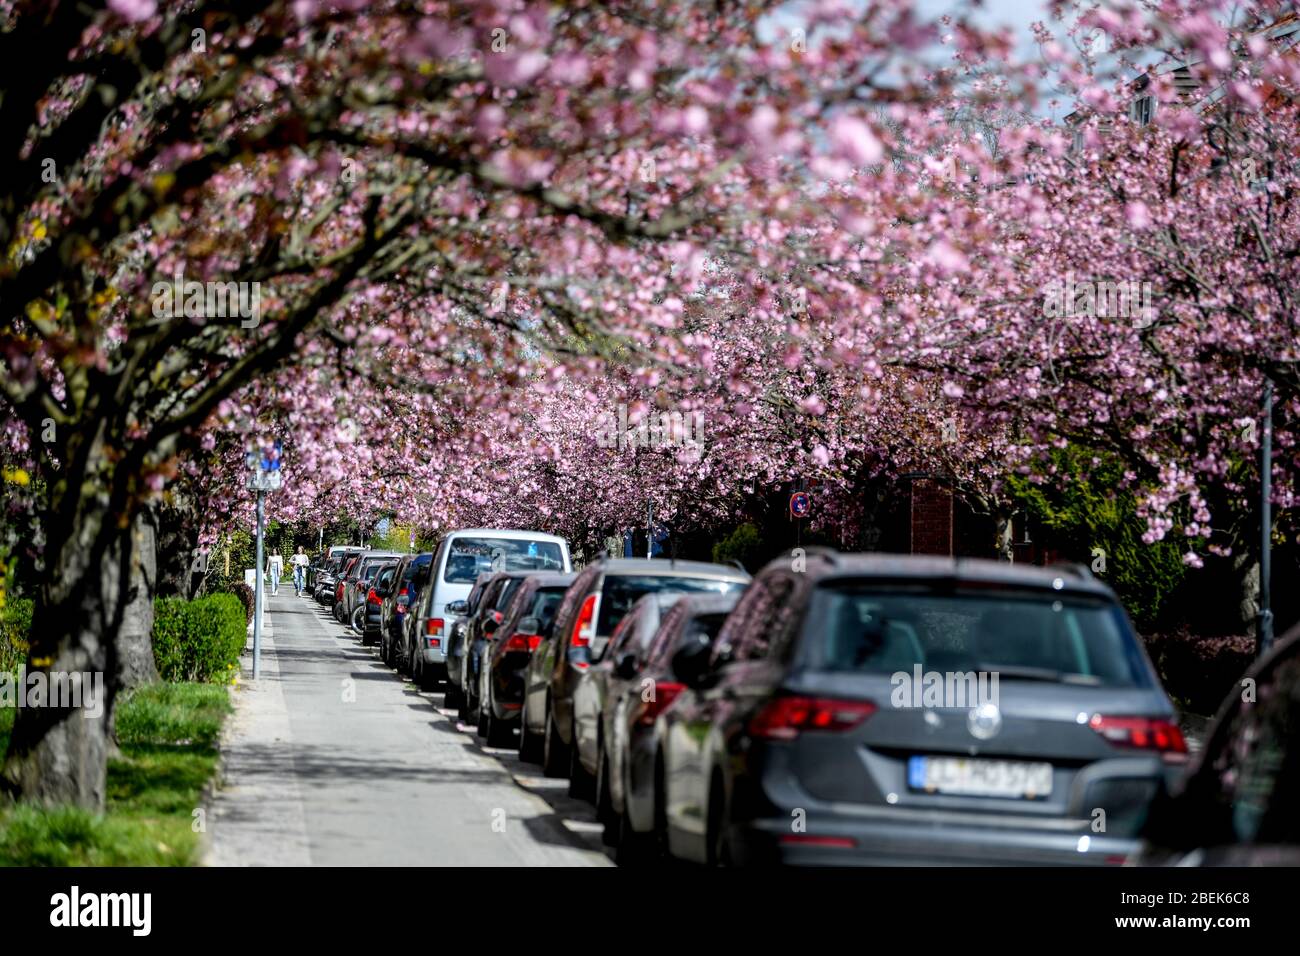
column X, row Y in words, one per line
column 470, row 557
column 621, row 591
column 1069, row 638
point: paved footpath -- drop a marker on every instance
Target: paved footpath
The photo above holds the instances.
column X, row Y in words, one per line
column 332, row 759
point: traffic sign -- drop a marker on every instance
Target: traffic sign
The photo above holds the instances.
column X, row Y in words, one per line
column 800, row 504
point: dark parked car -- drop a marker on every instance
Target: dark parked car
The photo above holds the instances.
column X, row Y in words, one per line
column 479, row 628
column 347, row 571
column 615, row 669
column 372, row 618
column 327, row 576
column 357, row 582
column 888, row 709
column 529, row 615
column 1237, row 804
column 395, row 613
column 592, row 607
column 654, row 631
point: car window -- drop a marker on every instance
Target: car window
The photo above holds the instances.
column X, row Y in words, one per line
column 1253, row 772
column 470, row 557
column 625, row 633
column 545, row 603
column 621, row 591
column 885, row 629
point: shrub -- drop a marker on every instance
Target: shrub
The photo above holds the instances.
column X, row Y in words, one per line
column 199, row 640
column 1196, row 670
column 744, row 544
column 15, row 625
column 1091, row 516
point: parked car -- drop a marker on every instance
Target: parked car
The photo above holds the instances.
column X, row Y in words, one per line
column 395, row 610
column 1236, row 806
column 811, row 731
column 529, row 614
column 337, row 606
column 327, row 577
column 461, row 557
column 372, row 606
column 642, row 687
column 612, row 670
column 479, row 628
column 458, row 613
column 594, row 604
column 357, row 582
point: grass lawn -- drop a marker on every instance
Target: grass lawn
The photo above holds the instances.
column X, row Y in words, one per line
column 168, row 736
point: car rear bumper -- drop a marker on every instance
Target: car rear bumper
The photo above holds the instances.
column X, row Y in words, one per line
column 919, row 839
column 433, row 655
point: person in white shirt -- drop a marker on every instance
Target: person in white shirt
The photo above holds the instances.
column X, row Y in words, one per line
column 274, row 567
column 300, row 562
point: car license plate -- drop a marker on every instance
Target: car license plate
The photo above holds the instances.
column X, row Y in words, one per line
column 980, row 778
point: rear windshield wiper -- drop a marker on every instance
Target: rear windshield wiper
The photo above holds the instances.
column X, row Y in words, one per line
column 1044, row 674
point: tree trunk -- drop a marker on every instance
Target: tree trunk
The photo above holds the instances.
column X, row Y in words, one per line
column 57, row 754
column 1004, row 536
column 135, row 665
column 1246, row 565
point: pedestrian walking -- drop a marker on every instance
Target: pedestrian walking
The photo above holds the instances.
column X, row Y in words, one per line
column 300, row 562
column 274, row 567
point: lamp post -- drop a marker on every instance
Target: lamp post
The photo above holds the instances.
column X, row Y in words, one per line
column 265, row 476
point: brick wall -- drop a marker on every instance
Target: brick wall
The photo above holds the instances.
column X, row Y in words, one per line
column 931, row 517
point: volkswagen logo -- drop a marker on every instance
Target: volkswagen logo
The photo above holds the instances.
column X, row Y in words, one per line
column 984, row 721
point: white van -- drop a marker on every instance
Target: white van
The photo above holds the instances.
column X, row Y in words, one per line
column 461, row 557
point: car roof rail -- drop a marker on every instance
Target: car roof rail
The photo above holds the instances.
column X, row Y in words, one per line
column 821, row 551
column 1072, row 567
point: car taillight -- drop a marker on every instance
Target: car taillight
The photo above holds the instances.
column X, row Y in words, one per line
column 582, row 630
column 517, row 642
column 433, row 627
column 534, row 642
column 665, row 693
column 373, row 598
column 1141, row 733
column 809, row 839
column 784, row 718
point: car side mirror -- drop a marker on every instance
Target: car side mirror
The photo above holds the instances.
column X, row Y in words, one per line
column 529, row 626
column 457, row 607
column 626, row 667
column 690, row 664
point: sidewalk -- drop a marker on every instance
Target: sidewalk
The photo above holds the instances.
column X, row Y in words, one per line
column 331, row 759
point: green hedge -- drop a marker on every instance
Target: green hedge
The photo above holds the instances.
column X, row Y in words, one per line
column 15, row 625
column 199, row 640
column 744, row 544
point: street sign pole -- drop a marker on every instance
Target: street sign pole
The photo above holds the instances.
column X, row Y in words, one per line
column 257, row 592
column 265, row 476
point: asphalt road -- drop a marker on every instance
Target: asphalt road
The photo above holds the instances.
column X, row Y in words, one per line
column 332, row 759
